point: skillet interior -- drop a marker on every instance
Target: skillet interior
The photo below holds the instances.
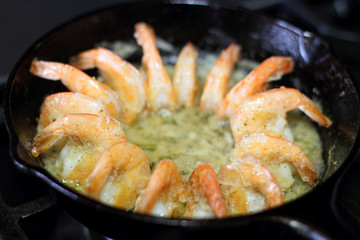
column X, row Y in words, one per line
column 317, row 74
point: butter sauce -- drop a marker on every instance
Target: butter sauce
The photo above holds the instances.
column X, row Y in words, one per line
column 188, row 137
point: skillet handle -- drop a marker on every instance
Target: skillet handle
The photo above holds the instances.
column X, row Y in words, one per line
column 314, row 216
column 300, row 228
column 35, row 207
column 345, row 200
column 11, row 217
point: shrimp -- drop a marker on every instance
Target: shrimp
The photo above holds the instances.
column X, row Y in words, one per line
column 243, row 174
column 272, row 68
column 160, row 89
column 217, row 82
column 164, row 189
column 203, row 186
column 120, row 75
column 60, row 104
column 261, row 112
column 91, row 134
column 129, row 169
column 77, row 81
column 274, row 150
column 186, row 85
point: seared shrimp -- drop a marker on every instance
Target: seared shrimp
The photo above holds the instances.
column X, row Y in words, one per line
column 129, row 167
column 240, row 177
column 186, row 85
column 263, row 112
column 272, row 68
column 91, row 133
column 217, row 82
column 204, row 189
column 274, row 150
column 60, row 104
column 120, row 75
column 160, row 88
column 77, row 81
column 162, row 194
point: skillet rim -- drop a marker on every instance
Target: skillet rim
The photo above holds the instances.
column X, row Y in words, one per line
column 80, row 198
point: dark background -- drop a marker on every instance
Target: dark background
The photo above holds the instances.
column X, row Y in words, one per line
column 23, row 22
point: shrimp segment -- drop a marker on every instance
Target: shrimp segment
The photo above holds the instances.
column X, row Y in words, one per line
column 185, row 82
column 260, row 112
column 165, row 184
column 217, row 82
column 203, row 182
column 271, row 69
column 60, row 104
column 99, row 131
column 275, row 150
column 77, row 81
column 87, row 135
column 245, row 171
column 160, row 89
column 129, row 165
column 120, row 75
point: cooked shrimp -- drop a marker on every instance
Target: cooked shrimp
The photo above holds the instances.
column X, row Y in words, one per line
column 243, row 174
column 204, row 189
column 186, row 85
column 272, row 68
column 60, row 104
column 261, row 112
column 160, row 88
column 120, row 75
column 90, row 132
column 77, row 81
column 217, row 82
column 100, row 131
column 129, row 167
column 163, row 191
column 274, row 150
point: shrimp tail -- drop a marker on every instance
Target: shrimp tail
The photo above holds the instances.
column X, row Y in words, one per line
column 47, row 70
column 203, row 181
column 45, row 140
column 84, row 60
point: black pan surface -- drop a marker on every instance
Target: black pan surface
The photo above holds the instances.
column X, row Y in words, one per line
column 210, row 26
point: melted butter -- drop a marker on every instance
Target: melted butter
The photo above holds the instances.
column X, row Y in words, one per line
column 308, row 139
column 186, row 137
column 66, row 157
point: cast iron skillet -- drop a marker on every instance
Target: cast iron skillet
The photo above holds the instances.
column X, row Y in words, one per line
column 211, row 26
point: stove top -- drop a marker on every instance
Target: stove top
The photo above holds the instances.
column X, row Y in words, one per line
column 29, row 210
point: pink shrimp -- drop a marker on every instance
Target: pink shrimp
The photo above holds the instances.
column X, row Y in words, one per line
column 274, row 150
column 243, row 172
column 120, row 75
column 203, row 184
column 261, row 111
column 129, row 167
column 164, row 188
column 60, row 104
column 217, row 82
column 271, row 69
column 186, row 85
column 160, row 88
column 77, row 81
column 98, row 134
